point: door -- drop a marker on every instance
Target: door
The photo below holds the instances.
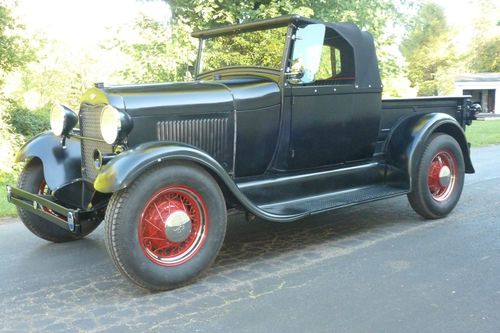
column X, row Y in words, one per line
column 318, row 126
column 322, row 99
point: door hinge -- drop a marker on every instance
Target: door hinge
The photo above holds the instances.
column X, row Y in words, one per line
column 292, row 153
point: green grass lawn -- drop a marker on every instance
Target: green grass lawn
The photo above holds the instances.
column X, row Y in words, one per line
column 6, row 208
column 480, row 133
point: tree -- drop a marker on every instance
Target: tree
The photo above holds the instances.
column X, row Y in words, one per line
column 159, row 52
column 429, row 51
column 14, row 49
column 486, row 55
column 14, row 54
column 60, row 75
column 370, row 15
column 485, row 49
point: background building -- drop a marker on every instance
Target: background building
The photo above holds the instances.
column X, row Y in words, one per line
column 484, row 88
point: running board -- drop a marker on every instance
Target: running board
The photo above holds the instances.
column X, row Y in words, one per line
column 325, row 202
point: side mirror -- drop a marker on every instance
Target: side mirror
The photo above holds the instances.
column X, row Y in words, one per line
column 295, row 76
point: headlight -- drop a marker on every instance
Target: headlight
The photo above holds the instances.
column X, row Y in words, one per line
column 62, row 120
column 115, row 125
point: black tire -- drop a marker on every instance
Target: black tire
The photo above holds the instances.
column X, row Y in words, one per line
column 434, row 196
column 30, row 180
column 128, row 214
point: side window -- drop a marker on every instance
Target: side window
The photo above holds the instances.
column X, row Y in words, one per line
column 320, row 57
column 326, row 70
column 337, row 64
column 330, row 64
column 337, row 61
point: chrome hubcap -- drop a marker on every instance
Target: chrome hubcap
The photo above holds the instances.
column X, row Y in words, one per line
column 445, row 176
column 178, row 226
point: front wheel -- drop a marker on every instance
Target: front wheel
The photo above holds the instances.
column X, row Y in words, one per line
column 167, row 227
column 32, row 180
column 439, row 178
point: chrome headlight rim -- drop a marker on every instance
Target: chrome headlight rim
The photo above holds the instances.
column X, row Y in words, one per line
column 110, row 124
column 62, row 120
column 114, row 124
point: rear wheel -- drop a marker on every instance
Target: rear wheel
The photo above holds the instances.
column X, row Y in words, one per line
column 33, row 181
column 167, row 227
column 438, row 181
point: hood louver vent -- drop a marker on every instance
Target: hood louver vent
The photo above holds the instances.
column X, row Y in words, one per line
column 208, row 134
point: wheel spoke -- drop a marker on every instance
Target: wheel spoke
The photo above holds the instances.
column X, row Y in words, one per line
column 154, row 238
column 157, row 210
column 153, row 225
column 440, row 161
column 165, row 246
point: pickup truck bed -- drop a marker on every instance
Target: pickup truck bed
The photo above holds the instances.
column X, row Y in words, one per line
column 396, row 109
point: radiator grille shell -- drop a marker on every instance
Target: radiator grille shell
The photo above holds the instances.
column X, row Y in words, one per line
column 90, row 116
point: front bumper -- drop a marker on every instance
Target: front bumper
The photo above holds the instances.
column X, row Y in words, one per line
column 43, row 206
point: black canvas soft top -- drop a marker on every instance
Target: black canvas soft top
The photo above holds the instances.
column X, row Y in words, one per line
column 365, row 59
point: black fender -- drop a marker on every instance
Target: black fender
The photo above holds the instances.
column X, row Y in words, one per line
column 123, row 169
column 61, row 165
column 409, row 138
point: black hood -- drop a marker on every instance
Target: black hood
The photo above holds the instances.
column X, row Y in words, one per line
column 236, row 94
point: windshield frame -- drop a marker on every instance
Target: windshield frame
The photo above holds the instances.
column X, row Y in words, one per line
column 286, row 48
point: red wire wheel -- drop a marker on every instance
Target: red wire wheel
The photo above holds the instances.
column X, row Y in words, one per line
column 442, row 175
column 173, row 225
column 43, row 189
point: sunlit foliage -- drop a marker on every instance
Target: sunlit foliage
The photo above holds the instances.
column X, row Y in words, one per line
column 258, row 48
column 159, row 52
column 375, row 16
column 14, row 49
column 430, row 52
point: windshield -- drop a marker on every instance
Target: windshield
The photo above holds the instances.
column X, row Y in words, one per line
column 263, row 48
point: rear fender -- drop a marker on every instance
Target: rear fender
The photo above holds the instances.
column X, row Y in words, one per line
column 123, row 169
column 408, row 140
column 61, row 165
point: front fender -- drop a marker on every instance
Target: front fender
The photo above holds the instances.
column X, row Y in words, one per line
column 408, row 140
column 123, row 169
column 126, row 167
column 60, row 165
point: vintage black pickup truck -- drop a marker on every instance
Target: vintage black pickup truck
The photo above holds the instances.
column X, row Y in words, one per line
column 284, row 120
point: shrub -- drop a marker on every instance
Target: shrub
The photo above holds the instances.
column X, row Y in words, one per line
column 26, row 122
column 9, row 144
